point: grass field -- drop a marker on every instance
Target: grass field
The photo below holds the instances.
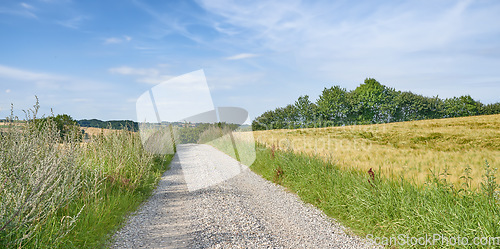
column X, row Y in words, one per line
column 447, row 147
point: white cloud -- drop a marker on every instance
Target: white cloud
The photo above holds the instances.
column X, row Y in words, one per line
column 24, row 12
column 112, row 40
column 27, row 6
column 134, row 71
column 345, row 42
column 116, row 40
column 145, row 75
column 155, row 79
column 241, row 56
column 50, row 81
column 7, row 91
column 20, row 74
column 73, row 23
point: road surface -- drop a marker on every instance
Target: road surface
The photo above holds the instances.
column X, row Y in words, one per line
column 244, row 211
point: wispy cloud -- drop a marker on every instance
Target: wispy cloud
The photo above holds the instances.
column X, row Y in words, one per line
column 170, row 24
column 346, row 41
column 143, row 75
column 117, row 40
column 24, row 10
column 241, row 56
column 73, row 23
column 125, row 70
column 43, row 80
column 26, row 6
column 25, row 75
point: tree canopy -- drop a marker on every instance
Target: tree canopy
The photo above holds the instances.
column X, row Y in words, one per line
column 370, row 103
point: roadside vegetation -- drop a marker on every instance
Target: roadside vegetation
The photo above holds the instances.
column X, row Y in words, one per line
column 416, row 179
column 369, row 203
column 59, row 192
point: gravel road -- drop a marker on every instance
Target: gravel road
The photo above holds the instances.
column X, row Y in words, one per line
column 244, row 211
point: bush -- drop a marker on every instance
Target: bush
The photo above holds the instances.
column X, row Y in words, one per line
column 39, row 175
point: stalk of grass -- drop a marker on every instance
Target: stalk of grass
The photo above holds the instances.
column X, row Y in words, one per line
column 38, row 177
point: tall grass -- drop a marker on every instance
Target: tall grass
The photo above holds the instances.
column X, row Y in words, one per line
column 67, row 194
column 411, row 149
column 386, row 207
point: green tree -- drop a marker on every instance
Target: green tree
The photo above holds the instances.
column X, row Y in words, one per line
column 489, row 109
column 333, row 106
column 461, row 106
column 306, row 111
column 64, row 123
column 368, row 98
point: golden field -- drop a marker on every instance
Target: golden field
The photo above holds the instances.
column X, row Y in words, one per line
column 406, row 149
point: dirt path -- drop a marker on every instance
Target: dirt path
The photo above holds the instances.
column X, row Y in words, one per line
column 244, row 211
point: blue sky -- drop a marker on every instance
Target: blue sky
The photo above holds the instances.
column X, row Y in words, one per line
column 93, row 59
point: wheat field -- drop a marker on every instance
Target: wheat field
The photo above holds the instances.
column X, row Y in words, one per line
column 413, row 150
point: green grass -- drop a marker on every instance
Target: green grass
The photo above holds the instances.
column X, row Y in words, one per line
column 68, row 194
column 382, row 206
column 104, row 213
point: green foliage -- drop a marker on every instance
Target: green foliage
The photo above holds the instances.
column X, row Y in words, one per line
column 491, row 109
column 462, row 106
column 489, row 186
column 370, row 103
column 333, row 106
column 113, row 124
column 64, row 124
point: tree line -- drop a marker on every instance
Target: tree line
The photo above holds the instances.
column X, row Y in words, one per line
column 113, row 124
column 369, row 103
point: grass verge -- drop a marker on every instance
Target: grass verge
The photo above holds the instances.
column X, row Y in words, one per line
column 386, row 207
column 62, row 193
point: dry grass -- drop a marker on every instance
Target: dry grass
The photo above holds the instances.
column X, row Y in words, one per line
column 92, row 131
column 409, row 149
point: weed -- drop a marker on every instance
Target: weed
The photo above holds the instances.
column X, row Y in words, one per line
column 61, row 193
column 489, row 185
column 278, row 174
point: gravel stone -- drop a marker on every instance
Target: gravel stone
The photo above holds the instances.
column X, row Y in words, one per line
column 245, row 211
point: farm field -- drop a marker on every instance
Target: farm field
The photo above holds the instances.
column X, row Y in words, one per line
column 413, row 150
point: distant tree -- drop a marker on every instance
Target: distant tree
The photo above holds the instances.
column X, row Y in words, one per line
column 113, row 124
column 462, row 106
column 333, row 106
column 64, row 123
column 369, row 99
column 370, row 102
column 489, row 109
column 306, row 110
column 264, row 121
